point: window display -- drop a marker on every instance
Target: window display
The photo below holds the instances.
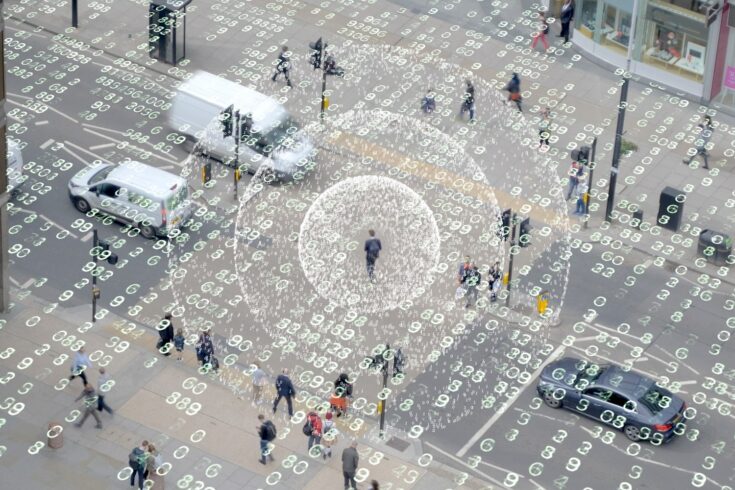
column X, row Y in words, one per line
column 587, row 17
column 616, row 29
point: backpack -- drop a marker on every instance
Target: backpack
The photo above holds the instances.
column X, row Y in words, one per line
column 270, row 431
column 136, row 458
column 307, row 429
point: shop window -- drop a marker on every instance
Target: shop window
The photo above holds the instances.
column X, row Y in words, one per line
column 616, row 28
column 587, row 18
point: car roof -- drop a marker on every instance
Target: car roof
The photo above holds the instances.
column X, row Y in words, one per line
column 624, row 382
column 221, row 92
column 146, row 178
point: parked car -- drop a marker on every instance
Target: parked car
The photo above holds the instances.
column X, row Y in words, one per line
column 151, row 199
column 272, row 136
column 15, row 168
column 609, row 394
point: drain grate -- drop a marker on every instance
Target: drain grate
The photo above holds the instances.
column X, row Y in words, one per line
column 398, row 444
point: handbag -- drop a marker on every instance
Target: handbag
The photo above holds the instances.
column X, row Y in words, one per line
column 515, row 96
column 459, row 294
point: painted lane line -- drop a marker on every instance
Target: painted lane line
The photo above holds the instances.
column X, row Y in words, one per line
column 87, row 237
column 46, row 144
column 14, row 281
column 134, row 147
column 28, row 283
column 47, row 220
column 505, row 405
column 488, row 477
column 650, row 375
column 41, row 123
column 96, row 156
column 46, row 105
column 101, row 147
column 78, row 157
column 549, row 417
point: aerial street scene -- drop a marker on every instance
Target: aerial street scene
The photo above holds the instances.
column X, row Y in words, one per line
column 367, row 244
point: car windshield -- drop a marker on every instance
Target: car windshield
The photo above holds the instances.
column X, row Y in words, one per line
column 276, row 135
column 587, row 376
column 100, row 175
column 655, row 399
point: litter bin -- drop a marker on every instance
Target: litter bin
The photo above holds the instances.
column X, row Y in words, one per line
column 714, row 246
column 55, row 436
column 166, row 19
column 670, row 208
column 637, row 218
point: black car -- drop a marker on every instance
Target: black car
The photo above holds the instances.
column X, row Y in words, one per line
column 626, row 400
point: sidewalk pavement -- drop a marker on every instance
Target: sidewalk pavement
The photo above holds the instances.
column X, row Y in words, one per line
column 212, row 440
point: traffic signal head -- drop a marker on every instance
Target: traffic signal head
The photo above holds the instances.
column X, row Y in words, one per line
column 524, row 236
column 505, row 230
column 226, row 118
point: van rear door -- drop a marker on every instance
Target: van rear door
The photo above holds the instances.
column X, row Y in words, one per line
column 176, row 206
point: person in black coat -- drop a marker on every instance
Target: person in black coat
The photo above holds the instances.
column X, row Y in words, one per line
column 566, row 16
column 166, row 333
column 284, row 388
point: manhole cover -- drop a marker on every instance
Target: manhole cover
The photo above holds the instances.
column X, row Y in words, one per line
column 399, row 444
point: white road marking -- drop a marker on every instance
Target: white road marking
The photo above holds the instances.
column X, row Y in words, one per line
column 100, row 147
column 96, row 156
column 87, row 237
column 637, row 359
column 28, row 283
column 49, row 107
column 47, row 220
column 153, row 153
column 488, row 477
column 650, row 375
column 46, row 144
column 554, row 355
column 41, row 123
column 14, row 281
column 81, row 159
column 690, row 382
column 542, row 415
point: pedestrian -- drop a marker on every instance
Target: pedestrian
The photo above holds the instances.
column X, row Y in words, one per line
column 567, row 16
column 89, row 405
column 581, row 195
column 342, row 390
column 398, row 362
column 350, row 460
column 153, row 461
column 428, row 103
column 544, row 127
column 79, row 364
column 374, row 485
column 259, row 381
column 462, row 275
column 137, row 460
column 179, row 341
column 494, row 281
column 166, row 334
column 542, row 32
column 472, row 281
column 102, row 388
column 514, row 90
column 204, row 347
column 372, row 251
column 283, row 66
column 468, row 101
column 313, row 429
column 330, row 434
column 575, row 172
column 705, row 133
column 267, row 433
column 284, row 388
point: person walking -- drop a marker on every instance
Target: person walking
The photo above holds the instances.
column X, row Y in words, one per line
column 350, row 460
column 267, row 433
column 179, row 341
column 544, row 128
column 79, row 364
column 89, row 405
column 330, row 434
column 204, row 347
column 314, row 426
column 102, row 389
column 494, row 282
column 259, row 381
column 703, row 137
column 575, row 172
column 399, row 361
column 137, row 460
column 283, row 66
column 581, row 195
column 374, row 485
column 468, row 100
column 428, row 103
column 166, row 334
column 284, row 388
column 472, row 281
column 342, row 390
column 372, row 251
column 152, row 462
column 542, row 32
column 514, row 90
column 566, row 16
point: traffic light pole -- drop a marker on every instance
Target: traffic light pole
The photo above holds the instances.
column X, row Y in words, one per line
column 616, row 149
column 324, row 85
column 513, row 221
column 236, row 131
column 593, row 164
column 74, row 15
column 95, row 291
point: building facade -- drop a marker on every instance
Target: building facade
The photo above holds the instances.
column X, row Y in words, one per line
column 682, row 44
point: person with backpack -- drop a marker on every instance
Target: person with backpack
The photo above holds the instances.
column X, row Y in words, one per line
column 204, row 348
column 468, row 101
column 514, row 90
column 137, row 460
column 90, row 406
column 372, row 251
column 705, row 129
column 342, row 390
column 267, row 433
column 313, row 429
column 283, row 66
column 284, row 388
column 494, row 282
column 428, row 103
column 330, row 434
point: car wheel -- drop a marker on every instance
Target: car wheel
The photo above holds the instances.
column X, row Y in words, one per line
column 81, row 204
column 551, row 401
column 147, row 231
column 633, row 433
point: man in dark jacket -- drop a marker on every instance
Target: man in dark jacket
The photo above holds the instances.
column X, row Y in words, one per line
column 266, row 432
column 283, row 66
column 284, row 388
column 166, row 333
column 372, row 251
column 350, row 460
column 566, row 16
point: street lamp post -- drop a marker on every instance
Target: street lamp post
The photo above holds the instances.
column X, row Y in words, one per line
column 74, row 14
column 4, row 194
column 513, row 223
column 592, row 164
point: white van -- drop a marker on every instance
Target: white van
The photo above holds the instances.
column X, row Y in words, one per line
column 151, row 199
column 274, row 139
column 15, row 168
